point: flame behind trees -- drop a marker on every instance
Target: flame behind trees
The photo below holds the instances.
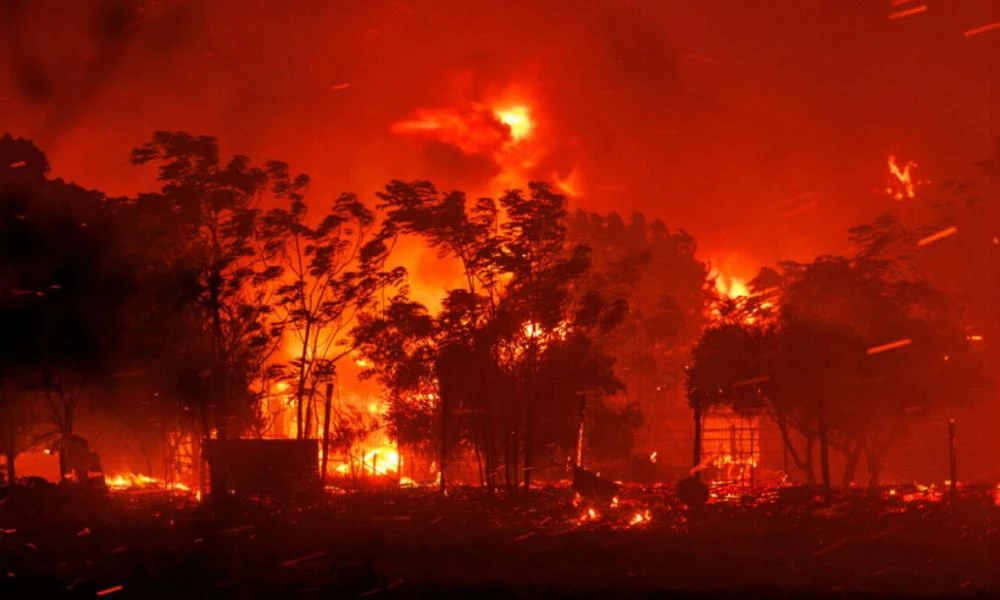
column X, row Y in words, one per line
column 507, row 352
column 331, row 271
column 232, row 266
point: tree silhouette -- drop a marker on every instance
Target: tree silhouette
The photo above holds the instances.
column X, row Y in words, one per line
column 664, row 291
column 233, row 264
column 67, row 280
column 333, row 271
column 823, row 363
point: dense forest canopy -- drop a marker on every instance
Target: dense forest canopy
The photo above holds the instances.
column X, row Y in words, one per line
column 233, row 279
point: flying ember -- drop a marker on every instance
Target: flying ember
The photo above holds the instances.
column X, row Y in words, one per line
column 902, row 185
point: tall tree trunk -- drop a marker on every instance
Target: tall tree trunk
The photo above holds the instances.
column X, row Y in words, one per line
column 201, row 456
column 327, row 407
column 529, row 461
column 804, row 464
column 66, row 430
column 853, row 456
column 300, row 425
column 810, row 460
column 697, row 438
column 529, row 419
column 824, row 447
column 515, row 444
column 491, row 462
column 216, row 474
column 11, row 437
column 310, row 403
column 479, row 465
column 443, row 453
column 874, row 461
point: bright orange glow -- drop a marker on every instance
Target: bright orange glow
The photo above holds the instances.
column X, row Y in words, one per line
column 589, row 515
column 517, row 119
column 731, row 287
column 534, row 331
column 506, row 128
column 381, row 461
column 136, row 481
column 640, row 518
column 902, row 185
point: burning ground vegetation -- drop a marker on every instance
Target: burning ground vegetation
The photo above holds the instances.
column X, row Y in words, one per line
column 772, row 541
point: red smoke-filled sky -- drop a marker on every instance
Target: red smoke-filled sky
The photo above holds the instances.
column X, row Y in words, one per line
column 763, row 128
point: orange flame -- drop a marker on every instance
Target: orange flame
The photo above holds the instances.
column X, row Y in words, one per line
column 518, row 119
column 505, row 129
column 731, row 287
column 902, row 185
column 135, row 481
column 640, row 518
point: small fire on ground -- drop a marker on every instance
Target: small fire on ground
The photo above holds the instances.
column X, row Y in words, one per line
column 138, row 481
column 619, row 514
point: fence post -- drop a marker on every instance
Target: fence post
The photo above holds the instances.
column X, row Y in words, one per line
column 953, row 461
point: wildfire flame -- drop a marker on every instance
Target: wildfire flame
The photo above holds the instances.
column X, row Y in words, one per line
column 731, row 287
column 589, row 515
column 129, row 481
column 640, row 518
column 381, row 461
column 517, row 119
column 902, row 184
column 505, row 129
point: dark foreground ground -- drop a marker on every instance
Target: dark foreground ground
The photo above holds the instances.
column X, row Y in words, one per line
column 408, row 543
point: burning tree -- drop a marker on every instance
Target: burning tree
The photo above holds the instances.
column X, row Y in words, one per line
column 333, row 270
column 498, row 355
